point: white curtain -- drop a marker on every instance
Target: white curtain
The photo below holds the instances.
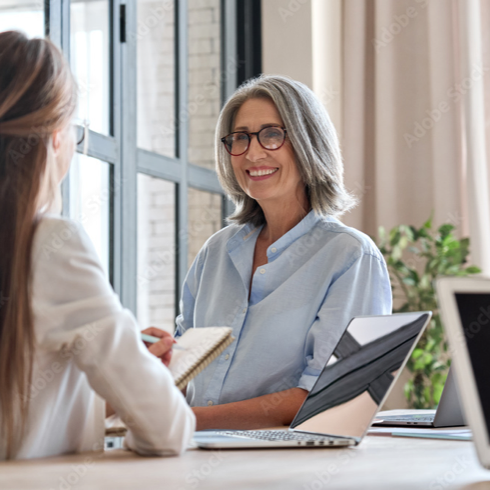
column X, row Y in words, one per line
column 415, row 106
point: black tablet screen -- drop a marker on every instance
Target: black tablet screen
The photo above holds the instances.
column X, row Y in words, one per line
column 474, row 311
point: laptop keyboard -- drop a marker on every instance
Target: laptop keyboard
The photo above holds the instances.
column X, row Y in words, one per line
column 280, row 435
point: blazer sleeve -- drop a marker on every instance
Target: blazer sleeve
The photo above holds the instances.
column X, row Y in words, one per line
column 363, row 289
column 82, row 317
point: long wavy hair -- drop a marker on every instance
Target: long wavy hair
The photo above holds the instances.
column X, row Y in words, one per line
column 313, row 138
column 37, row 97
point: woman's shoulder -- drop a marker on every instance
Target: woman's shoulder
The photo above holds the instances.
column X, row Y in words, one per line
column 63, row 253
column 222, row 237
column 346, row 237
column 215, row 246
column 55, row 234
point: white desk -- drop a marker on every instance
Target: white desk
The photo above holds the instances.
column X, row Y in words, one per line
column 378, row 462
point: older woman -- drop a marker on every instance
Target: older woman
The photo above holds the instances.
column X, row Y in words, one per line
column 287, row 276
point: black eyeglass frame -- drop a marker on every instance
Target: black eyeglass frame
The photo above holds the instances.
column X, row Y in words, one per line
column 256, row 134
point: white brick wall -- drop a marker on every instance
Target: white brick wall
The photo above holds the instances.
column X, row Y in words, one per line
column 204, row 107
column 156, row 252
column 204, row 82
column 204, row 219
column 156, row 198
column 155, row 77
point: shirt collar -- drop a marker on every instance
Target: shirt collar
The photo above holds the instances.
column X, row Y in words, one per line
column 249, row 231
column 242, row 236
column 302, row 228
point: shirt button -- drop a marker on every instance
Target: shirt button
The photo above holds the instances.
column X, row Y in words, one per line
column 244, row 310
column 262, row 271
column 210, row 402
column 227, row 357
column 273, row 250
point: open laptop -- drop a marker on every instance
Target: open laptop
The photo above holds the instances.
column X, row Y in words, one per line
column 465, row 310
column 448, row 413
column 348, row 392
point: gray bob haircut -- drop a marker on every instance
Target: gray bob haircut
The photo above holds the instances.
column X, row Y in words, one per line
column 312, row 136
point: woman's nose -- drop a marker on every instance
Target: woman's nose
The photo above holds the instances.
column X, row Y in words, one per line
column 255, row 151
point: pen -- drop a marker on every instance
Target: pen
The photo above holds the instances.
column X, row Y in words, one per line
column 151, row 340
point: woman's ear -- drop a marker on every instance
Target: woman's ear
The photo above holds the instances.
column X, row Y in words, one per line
column 56, row 139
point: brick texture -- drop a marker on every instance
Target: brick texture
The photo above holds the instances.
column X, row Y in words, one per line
column 156, row 123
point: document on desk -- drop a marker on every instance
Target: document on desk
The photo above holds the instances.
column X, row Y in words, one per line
column 448, row 434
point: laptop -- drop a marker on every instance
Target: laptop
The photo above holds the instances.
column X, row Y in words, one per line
column 448, row 413
column 348, row 392
column 465, row 311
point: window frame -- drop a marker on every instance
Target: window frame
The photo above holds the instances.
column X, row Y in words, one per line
column 120, row 149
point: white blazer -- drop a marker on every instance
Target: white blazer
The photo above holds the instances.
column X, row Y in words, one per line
column 89, row 345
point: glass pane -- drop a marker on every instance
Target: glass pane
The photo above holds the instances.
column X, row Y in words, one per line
column 22, row 15
column 156, row 253
column 90, row 60
column 156, row 76
column 204, row 219
column 204, row 79
column 90, row 201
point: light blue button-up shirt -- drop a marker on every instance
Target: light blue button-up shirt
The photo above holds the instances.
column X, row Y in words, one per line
column 319, row 275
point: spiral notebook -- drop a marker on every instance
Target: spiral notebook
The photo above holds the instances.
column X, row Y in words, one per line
column 201, row 346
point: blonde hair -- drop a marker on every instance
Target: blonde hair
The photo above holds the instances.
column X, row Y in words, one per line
column 37, row 97
column 312, row 136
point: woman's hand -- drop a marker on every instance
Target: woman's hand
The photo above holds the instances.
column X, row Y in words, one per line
column 163, row 348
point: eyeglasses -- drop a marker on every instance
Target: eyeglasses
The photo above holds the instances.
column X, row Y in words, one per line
column 270, row 138
column 81, row 128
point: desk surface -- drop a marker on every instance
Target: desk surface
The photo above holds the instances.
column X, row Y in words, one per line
column 378, row 462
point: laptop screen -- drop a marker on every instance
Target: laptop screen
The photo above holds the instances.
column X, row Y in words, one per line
column 474, row 312
column 352, row 386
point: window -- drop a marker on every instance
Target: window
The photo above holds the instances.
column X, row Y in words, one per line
column 26, row 16
column 204, row 80
column 156, row 66
column 90, row 201
column 152, row 77
column 205, row 219
column 90, row 60
column 179, row 99
column 89, row 186
column 156, row 286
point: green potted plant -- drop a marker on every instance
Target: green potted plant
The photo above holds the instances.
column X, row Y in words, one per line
column 415, row 257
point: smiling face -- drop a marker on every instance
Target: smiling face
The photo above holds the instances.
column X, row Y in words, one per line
column 268, row 176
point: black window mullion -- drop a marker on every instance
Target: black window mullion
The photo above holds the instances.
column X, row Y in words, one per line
column 249, row 35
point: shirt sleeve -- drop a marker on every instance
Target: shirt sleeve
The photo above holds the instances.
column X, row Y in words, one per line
column 81, row 317
column 363, row 289
column 189, row 293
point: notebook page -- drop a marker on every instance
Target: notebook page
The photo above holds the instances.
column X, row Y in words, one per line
column 199, row 343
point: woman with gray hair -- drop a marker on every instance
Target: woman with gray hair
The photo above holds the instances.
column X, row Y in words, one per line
column 286, row 275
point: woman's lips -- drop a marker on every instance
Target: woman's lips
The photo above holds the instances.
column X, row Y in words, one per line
column 261, row 173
